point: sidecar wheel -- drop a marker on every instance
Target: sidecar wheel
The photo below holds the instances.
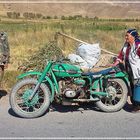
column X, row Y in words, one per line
column 19, row 99
column 119, row 96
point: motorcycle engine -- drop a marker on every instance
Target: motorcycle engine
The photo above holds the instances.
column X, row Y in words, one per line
column 70, row 88
column 69, row 93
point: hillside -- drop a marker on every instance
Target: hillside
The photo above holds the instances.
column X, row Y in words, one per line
column 108, row 10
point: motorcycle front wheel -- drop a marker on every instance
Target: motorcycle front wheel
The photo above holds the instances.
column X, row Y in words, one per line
column 20, row 103
column 118, row 93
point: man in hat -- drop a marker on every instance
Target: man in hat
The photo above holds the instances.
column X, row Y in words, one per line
column 130, row 55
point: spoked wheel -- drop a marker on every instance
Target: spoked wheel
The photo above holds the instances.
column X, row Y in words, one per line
column 20, row 103
column 117, row 98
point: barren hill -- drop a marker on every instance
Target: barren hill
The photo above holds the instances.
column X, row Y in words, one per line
column 108, row 10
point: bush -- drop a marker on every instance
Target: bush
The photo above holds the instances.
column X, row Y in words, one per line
column 40, row 58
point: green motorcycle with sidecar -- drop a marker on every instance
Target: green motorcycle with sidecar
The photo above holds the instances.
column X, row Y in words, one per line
column 63, row 82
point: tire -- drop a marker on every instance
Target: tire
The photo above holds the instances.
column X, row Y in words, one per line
column 23, row 108
column 118, row 106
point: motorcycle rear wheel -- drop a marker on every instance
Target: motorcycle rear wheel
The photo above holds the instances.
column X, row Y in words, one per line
column 119, row 96
column 19, row 99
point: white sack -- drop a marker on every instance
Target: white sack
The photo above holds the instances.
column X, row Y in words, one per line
column 78, row 61
column 90, row 53
column 87, row 55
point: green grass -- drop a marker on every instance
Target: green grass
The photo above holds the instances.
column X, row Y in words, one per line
column 9, row 79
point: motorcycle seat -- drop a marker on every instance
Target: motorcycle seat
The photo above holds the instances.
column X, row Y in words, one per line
column 99, row 73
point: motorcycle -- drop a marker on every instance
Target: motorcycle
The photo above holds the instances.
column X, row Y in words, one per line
column 64, row 82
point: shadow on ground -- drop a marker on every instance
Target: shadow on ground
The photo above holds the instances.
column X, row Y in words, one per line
column 11, row 112
column 128, row 107
column 3, row 93
column 64, row 109
column 84, row 107
column 74, row 108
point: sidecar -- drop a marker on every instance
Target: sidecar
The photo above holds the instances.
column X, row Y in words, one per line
column 111, row 86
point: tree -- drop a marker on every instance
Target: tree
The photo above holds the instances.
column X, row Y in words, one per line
column 55, row 17
column 25, row 15
column 48, row 17
column 38, row 15
column 43, row 17
column 70, row 18
column 13, row 14
column 77, row 16
column 63, row 17
column 95, row 18
column 86, row 17
column 31, row 15
column 16, row 15
column 9, row 14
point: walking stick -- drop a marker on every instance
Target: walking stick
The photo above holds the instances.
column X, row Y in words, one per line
column 78, row 40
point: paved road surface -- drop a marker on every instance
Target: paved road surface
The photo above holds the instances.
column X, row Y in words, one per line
column 85, row 121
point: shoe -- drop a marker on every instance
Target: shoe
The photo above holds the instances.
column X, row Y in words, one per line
column 136, row 109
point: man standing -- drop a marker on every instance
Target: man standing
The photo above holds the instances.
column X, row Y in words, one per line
column 4, row 54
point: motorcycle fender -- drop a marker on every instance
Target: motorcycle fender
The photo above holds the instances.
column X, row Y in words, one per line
column 28, row 74
column 119, row 75
column 39, row 74
column 124, row 77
